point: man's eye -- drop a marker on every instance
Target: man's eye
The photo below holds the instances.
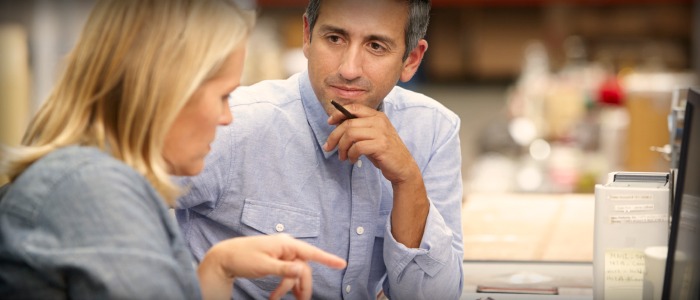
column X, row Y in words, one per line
column 376, row 47
column 334, row 39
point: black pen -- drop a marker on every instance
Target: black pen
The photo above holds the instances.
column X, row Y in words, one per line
column 343, row 110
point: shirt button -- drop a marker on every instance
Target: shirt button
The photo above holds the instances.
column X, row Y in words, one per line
column 360, row 230
column 348, row 288
column 359, row 164
column 279, row 227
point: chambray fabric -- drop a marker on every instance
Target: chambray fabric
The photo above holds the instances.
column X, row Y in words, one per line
column 267, row 173
column 79, row 224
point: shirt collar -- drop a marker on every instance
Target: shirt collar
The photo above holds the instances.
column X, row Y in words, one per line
column 315, row 114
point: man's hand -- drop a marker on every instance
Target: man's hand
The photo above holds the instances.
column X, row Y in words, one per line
column 371, row 134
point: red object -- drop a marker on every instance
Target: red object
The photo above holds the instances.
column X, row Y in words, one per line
column 610, row 92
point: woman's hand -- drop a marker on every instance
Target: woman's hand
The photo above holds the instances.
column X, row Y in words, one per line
column 258, row 256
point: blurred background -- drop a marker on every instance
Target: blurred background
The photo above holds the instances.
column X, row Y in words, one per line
column 553, row 95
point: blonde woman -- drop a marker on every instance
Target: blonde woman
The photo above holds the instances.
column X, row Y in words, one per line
column 85, row 214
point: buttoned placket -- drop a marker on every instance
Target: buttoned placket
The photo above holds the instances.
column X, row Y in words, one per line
column 364, row 204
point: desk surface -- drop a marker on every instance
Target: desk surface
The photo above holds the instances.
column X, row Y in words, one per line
column 571, row 280
column 528, row 227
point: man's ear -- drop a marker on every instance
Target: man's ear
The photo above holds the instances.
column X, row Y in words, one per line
column 410, row 66
column 307, row 37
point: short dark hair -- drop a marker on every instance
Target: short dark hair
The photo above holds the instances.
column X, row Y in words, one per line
column 416, row 27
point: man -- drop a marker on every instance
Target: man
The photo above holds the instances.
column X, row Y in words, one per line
column 382, row 190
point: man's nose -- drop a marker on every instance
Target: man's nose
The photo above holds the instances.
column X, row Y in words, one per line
column 351, row 65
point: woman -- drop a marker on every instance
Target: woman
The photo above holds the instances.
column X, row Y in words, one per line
column 85, row 214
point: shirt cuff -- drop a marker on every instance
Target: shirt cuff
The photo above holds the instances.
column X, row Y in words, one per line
column 433, row 253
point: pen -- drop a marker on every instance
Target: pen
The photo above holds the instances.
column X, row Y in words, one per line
column 343, row 110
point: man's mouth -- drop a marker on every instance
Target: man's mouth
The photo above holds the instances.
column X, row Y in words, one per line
column 347, row 91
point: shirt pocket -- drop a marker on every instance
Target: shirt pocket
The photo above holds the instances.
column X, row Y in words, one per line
column 272, row 218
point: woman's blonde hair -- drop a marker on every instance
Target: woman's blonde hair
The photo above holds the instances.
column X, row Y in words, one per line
column 135, row 66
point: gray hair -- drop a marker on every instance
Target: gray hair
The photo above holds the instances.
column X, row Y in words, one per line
column 417, row 26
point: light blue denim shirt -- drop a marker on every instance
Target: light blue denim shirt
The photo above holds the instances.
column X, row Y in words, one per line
column 267, row 173
column 79, row 224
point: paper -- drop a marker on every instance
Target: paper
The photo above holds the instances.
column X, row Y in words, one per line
column 650, row 218
column 624, row 274
column 631, row 197
column 634, row 207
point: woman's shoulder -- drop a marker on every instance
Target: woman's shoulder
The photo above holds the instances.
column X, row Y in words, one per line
column 69, row 163
column 92, row 213
column 69, row 175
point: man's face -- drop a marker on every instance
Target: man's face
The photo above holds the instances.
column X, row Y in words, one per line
column 355, row 51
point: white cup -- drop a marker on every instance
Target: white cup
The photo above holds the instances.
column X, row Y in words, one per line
column 654, row 270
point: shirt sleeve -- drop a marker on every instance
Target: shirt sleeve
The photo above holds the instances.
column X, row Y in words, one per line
column 433, row 271
column 101, row 234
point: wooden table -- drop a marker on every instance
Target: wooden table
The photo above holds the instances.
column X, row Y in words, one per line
column 528, row 227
